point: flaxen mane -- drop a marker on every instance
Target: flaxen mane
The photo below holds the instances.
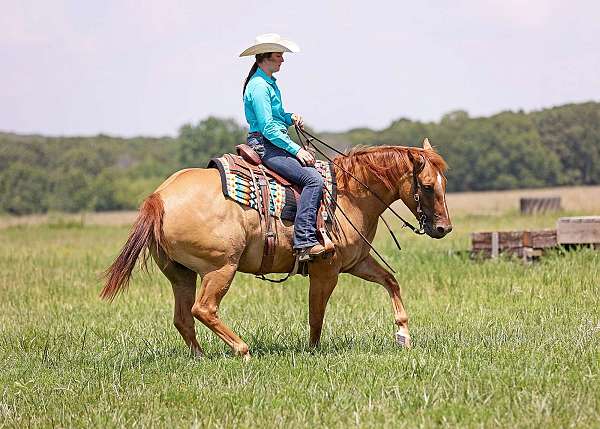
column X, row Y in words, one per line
column 387, row 163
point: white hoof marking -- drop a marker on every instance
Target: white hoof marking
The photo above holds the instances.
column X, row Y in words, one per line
column 402, row 339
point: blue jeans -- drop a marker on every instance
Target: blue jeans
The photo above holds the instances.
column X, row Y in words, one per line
column 308, row 178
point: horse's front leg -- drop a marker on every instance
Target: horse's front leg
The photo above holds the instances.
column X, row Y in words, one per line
column 369, row 269
column 323, row 279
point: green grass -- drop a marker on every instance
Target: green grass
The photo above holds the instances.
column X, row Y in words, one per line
column 496, row 343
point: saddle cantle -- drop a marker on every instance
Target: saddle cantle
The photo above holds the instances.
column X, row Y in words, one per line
column 247, row 181
column 248, row 154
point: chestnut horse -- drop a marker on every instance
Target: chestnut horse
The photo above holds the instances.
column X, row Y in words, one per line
column 190, row 228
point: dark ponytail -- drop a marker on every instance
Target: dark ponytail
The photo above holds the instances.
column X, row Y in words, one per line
column 252, row 71
column 259, row 59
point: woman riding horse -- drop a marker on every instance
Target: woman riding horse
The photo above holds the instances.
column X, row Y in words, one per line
column 192, row 230
column 268, row 137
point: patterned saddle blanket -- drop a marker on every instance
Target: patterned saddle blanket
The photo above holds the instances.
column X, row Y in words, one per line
column 239, row 186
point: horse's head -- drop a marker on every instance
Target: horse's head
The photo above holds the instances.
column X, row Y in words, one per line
column 428, row 191
column 414, row 175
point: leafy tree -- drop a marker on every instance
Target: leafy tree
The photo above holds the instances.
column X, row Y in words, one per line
column 23, row 189
column 209, row 138
column 573, row 133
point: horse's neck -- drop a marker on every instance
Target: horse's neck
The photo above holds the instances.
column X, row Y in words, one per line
column 364, row 208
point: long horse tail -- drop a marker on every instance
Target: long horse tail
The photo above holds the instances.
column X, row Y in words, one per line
column 145, row 234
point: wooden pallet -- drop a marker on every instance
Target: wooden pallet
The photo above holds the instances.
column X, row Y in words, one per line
column 526, row 245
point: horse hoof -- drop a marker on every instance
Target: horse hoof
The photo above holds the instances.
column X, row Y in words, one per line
column 196, row 353
column 246, row 357
column 403, row 340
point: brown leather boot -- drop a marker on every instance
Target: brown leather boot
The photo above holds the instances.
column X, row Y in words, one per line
column 316, row 250
column 309, row 253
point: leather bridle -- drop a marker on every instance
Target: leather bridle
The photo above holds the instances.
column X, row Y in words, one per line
column 420, row 214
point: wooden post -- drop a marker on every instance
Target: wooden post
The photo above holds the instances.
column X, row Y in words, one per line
column 495, row 247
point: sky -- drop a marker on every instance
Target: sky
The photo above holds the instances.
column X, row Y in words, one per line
column 127, row 68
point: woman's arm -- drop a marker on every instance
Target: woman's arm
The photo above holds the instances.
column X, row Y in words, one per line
column 289, row 119
column 261, row 103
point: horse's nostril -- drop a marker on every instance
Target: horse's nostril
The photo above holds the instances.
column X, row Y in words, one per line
column 444, row 229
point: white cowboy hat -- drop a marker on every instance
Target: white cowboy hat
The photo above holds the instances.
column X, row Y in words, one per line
column 270, row 42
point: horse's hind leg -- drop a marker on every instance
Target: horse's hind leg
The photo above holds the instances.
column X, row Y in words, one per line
column 214, row 287
column 183, row 281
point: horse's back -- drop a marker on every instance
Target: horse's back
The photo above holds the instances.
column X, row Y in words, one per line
column 174, row 176
column 189, row 180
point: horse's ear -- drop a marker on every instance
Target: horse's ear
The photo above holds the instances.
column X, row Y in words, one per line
column 417, row 161
column 426, row 144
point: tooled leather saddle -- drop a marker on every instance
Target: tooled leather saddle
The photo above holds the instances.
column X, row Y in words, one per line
column 248, row 164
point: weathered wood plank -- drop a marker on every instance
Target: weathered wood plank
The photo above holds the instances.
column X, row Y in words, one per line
column 506, row 239
column 520, row 252
column 578, row 230
column 543, row 238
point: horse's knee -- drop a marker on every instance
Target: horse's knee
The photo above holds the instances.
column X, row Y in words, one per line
column 207, row 314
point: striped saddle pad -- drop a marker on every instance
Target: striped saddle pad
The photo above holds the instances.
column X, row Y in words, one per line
column 239, row 186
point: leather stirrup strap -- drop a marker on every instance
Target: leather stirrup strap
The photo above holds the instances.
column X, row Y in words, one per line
column 322, row 230
column 270, row 236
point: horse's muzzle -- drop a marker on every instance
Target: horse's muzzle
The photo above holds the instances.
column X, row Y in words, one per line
column 440, row 230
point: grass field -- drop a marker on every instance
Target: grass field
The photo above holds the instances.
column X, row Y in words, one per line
column 496, row 343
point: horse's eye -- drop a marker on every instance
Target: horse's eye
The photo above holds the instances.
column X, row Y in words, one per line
column 428, row 188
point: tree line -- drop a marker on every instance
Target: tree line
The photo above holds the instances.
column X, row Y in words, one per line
column 551, row 147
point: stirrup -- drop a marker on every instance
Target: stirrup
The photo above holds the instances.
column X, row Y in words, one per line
column 304, row 254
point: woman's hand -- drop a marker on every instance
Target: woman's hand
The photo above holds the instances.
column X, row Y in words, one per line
column 298, row 120
column 305, row 157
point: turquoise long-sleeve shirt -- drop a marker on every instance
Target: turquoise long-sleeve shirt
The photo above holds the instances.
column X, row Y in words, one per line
column 264, row 111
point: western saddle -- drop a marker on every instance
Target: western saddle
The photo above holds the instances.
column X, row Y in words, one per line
column 249, row 164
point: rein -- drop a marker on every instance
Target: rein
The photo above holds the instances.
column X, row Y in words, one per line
column 421, row 217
